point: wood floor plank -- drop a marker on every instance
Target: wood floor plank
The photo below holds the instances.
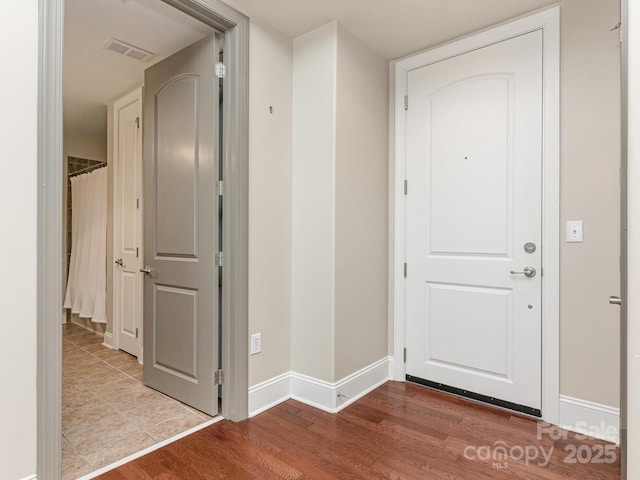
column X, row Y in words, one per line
column 304, row 461
column 311, row 446
column 398, row 432
column 240, row 448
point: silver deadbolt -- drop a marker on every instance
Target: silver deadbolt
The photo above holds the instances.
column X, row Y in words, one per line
column 527, row 272
column 529, row 247
column 146, row 270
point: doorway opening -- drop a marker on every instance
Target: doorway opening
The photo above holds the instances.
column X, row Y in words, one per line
column 113, row 405
column 50, row 232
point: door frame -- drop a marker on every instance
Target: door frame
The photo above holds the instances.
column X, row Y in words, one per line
column 235, row 26
column 548, row 21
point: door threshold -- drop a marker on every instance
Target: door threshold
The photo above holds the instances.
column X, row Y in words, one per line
column 150, row 449
column 477, row 397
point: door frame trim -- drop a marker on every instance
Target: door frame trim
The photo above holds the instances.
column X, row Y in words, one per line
column 548, row 21
column 49, row 218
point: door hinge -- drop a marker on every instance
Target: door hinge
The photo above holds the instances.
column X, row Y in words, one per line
column 405, row 269
column 220, row 70
column 137, row 252
column 137, row 122
column 406, row 187
column 404, row 355
column 218, row 377
column 136, row 332
column 137, row 203
column 406, row 102
column 220, row 188
column 219, row 259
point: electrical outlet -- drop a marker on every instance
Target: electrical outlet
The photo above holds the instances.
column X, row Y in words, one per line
column 256, row 343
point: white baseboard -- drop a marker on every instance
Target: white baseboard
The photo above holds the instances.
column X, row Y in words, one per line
column 314, row 392
column 88, row 325
column 327, row 396
column 589, row 418
column 266, row 395
column 31, row 477
column 108, row 340
column 358, row 384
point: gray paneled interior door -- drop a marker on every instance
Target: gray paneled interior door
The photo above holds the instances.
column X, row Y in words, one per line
column 181, row 226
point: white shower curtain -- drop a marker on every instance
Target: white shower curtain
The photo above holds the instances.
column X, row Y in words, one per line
column 87, row 280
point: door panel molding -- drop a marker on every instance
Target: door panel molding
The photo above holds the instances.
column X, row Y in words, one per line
column 49, row 246
column 549, row 22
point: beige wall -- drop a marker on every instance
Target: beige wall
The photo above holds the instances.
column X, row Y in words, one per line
column 18, row 209
column 590, row 161
column 270, row 64
column 339, row 201
column 84, row 145
column 312, row 207
column 361, row 219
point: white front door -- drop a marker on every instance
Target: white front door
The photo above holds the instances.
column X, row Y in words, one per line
column 474, row 166
column 127, row 225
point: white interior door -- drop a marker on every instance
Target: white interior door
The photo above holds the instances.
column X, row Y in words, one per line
column 127, row 224
column 474, row 165
column 181, row 225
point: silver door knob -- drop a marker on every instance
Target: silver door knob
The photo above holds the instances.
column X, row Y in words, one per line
column 527, row 272
column 146, row 270
column 615, row 300
column 120, row 262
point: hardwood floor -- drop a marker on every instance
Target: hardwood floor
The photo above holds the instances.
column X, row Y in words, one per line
column 399, row 431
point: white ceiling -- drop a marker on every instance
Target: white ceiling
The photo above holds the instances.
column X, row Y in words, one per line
column 394, row 28
column 94, row 76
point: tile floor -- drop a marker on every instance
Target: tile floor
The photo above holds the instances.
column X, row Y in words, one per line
column 107, row 412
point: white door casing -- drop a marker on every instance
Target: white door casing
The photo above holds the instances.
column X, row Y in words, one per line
column 473, row 163
column 547, row 22
column 127, row 223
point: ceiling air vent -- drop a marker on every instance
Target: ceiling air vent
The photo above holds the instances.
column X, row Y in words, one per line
column 122, row 48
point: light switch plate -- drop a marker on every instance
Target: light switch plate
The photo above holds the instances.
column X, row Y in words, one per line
column 574, row 231
column 256, row 343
